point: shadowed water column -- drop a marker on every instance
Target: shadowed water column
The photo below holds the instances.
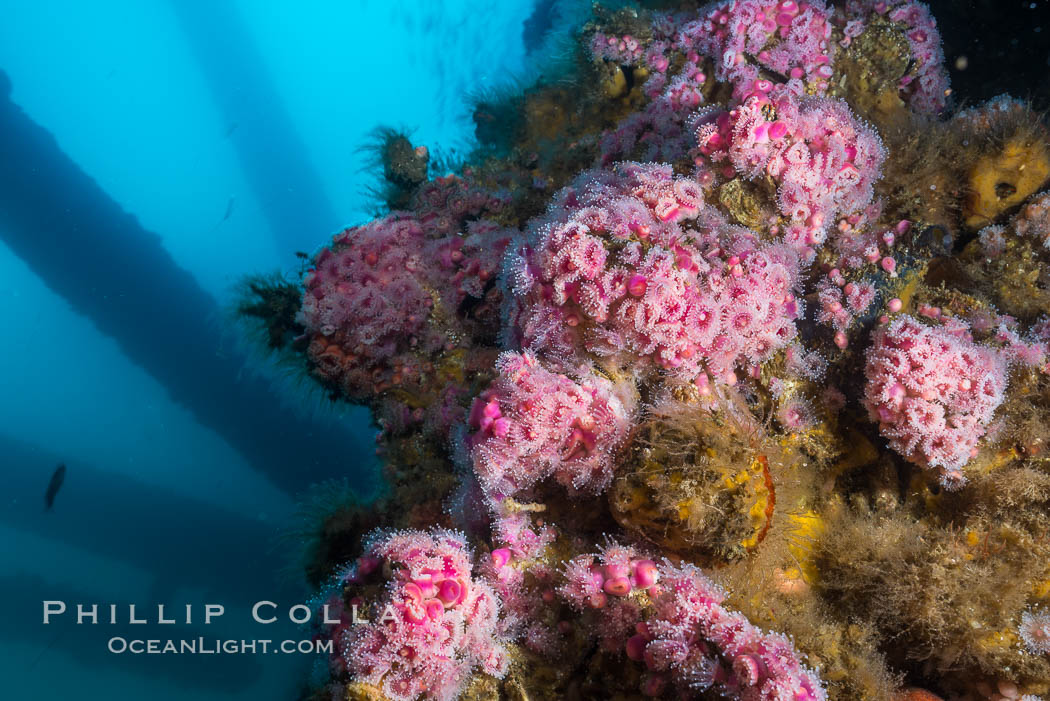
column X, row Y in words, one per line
column 273, row 159
column 87, row 249
column 150, row 527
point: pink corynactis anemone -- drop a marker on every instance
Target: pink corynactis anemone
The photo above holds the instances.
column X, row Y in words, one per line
column 925, row 85
column 371, row 297
column 743, row 37
column 1035, row 632
column 437, row 626
column 824, row 161
column 614, row 273
column 670, row 617
column 933, row 392
column 532, row 423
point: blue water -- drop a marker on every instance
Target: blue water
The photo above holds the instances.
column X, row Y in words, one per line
column 183, row 111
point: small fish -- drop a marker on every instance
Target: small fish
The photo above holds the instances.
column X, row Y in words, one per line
column 232, row 128
column 57, row 478
column 228, row 214
column 229, row 209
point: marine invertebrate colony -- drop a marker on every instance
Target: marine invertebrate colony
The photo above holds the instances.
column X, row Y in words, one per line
column 532, row 423
column 689, row 388
column 1035, row 632
column 823, row 161
column 759, row 665
column 688, row 640
column 622, row 280
column 933, row 392
column 445, row 624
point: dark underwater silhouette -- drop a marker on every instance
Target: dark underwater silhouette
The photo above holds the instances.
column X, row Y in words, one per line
column 90, row 251
column 57, row 478
column 182, row 541
column 273, row 158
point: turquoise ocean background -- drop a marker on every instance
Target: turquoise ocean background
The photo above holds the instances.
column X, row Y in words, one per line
column 184, row 112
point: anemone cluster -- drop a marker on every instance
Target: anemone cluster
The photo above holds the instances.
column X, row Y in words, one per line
column 722, row 373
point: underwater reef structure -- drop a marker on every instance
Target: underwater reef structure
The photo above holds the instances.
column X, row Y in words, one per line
column 99, row 258
column 720, row 370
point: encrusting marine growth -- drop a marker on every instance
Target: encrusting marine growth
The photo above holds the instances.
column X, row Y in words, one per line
column 719, row 370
